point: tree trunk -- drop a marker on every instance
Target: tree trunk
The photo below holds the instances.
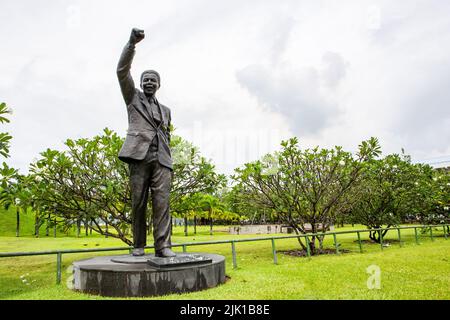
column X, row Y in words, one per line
column 78, row 228
column 210, row 223
column 90, row 228
column 185, row 226
column 86, row 228
column 47, row 229
column 36, row 226
column 253, row 218
column 17, row 222
column 54, row 228
column 312, row 245
column 312, row 240
column 376, row 235
column 320, row 238
column 195, row 225
column 301, row 243
column 106, row 229
column 299, row 239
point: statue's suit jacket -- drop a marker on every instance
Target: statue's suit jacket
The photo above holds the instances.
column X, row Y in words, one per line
column 142, row 128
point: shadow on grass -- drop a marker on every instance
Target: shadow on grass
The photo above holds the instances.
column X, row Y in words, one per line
column 304, row 253
column 385, row 241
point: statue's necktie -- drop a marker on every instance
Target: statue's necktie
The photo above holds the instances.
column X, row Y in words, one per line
column 154, row 112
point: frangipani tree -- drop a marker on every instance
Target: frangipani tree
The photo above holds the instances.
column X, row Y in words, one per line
column 382, row 198
column 4, row 136
column 88, row 182
column 305, row 187
column 15, row 193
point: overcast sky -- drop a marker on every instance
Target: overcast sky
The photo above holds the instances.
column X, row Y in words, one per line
column 239, row 76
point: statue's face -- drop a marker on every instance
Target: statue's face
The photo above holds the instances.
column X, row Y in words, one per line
column 150, row 83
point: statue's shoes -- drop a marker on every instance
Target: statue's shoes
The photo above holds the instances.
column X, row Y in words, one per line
column 137, row 252
column 165, row 253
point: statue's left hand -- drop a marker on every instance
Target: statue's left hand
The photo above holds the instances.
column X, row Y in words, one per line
column 137, row 35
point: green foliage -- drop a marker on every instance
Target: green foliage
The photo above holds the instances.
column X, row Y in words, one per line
column 202, row 205
column 235, row 200
column 4, row 136
column 319, row 187
column 394, row 190
column 193, row 175
column 15, row 192
column 304, row 187
column 88, row 182
column 7, row 174
column 383, row 195
column 211, row 204
column 430, row 195
column 442, row 199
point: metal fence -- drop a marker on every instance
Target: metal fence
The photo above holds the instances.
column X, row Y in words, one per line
column 306, row 237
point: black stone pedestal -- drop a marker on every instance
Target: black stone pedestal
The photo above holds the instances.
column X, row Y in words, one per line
column 128, row 276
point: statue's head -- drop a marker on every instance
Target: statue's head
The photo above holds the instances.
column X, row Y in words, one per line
column 150, row 82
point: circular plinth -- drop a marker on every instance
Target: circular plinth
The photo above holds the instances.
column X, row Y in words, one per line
column 103, row 276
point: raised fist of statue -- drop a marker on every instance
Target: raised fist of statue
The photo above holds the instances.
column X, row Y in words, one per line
column 136, row 35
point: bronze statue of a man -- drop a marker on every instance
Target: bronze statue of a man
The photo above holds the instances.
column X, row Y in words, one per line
column 147, row 152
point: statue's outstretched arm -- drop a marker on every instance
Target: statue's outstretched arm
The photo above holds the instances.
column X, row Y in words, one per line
column 124, row 66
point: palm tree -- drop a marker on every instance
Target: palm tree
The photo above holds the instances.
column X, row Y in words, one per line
column 214, row 206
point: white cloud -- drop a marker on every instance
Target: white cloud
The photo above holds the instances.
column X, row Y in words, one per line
column 294, row 93
column 238, row 76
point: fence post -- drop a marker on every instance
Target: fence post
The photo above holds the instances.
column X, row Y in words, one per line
column 336, row 245
column 58, row 267
column 359, row 242
column 233, row 252
column 274, row 251
column 308, row 249
column 416, row 235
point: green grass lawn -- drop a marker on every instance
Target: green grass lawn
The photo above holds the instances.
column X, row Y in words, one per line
column 8, row 223
column 26, row 225
column 408, row 272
